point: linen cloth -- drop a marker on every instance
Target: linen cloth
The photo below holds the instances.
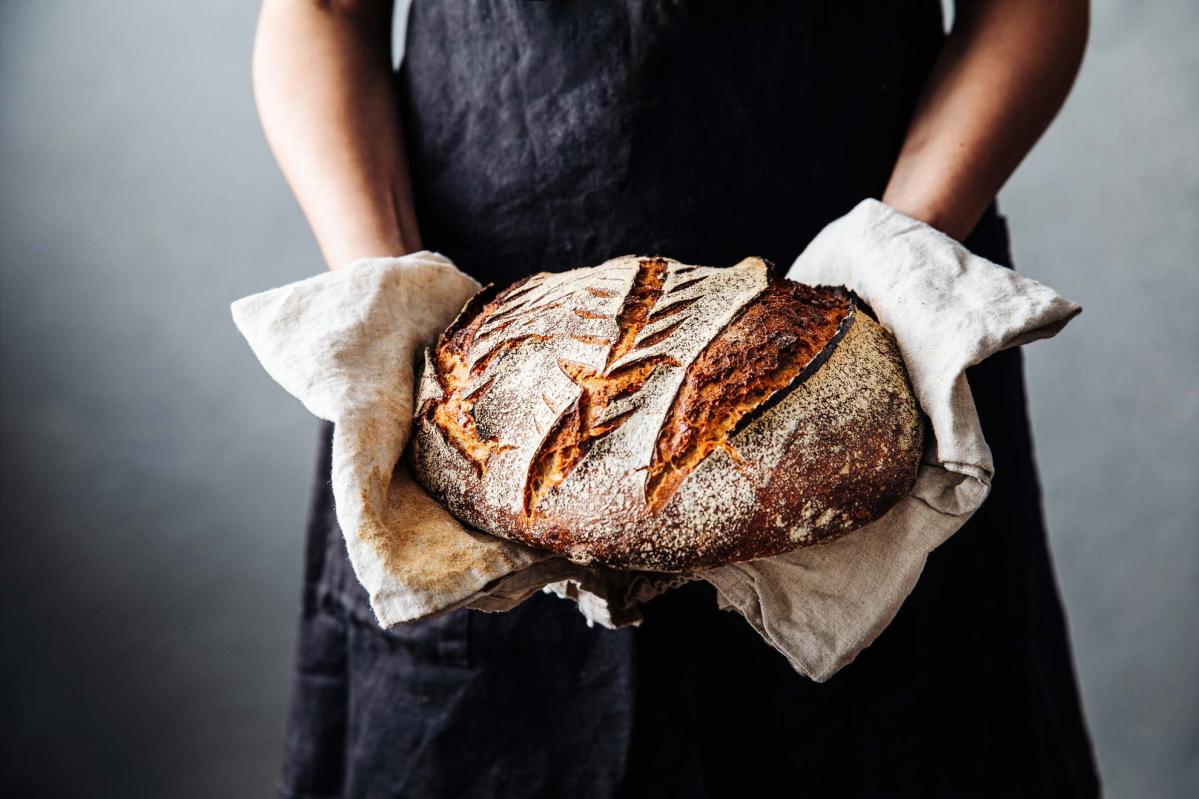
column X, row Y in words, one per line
column 346, row 344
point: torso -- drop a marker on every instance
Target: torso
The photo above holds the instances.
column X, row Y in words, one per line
column 550, row 135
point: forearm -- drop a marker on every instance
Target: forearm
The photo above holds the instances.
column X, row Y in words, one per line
column 1002, row 76
column 323, row 86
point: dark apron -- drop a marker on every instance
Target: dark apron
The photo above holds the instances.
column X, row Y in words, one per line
column 550, row 135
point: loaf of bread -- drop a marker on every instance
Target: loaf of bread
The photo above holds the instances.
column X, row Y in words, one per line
column 647, row 414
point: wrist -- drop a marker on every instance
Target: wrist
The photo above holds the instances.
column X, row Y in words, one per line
column 955, row 221
column 347, row 249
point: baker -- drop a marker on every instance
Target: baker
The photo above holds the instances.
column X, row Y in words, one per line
column 522, row 137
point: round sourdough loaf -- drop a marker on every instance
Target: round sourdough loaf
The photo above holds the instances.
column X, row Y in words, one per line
column 647, row 414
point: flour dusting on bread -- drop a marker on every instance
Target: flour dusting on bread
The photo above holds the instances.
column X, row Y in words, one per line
column 649, row 414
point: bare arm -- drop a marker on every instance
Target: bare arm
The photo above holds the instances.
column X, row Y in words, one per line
column 1004, row 72
column 323, row 85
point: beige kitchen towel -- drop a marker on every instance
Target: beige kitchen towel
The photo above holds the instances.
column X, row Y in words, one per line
column 345, row 344
column 948, row 310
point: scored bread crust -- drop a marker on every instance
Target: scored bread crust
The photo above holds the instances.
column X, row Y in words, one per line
column 648, row 414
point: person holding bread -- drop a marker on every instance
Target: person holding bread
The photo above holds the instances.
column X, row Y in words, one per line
column 518, row 137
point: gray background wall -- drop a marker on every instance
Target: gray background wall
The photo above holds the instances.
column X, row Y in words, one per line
column 155, row 480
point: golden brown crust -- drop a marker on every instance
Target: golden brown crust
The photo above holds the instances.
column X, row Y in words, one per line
column 760, row 353
column 687, row 442
column 585, row 421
